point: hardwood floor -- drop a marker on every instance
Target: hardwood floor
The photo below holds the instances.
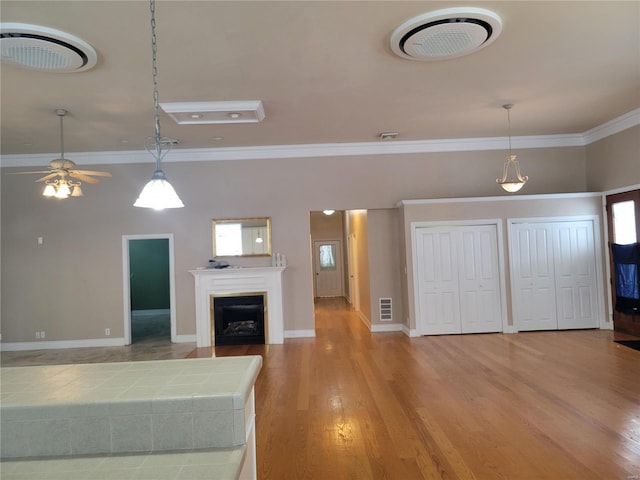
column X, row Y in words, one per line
column 352, row 405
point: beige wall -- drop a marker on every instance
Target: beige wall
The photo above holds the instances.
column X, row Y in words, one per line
column 72, row 285
column 358, row 229
column 502, row 209
column 614, row 162
column 384, row 262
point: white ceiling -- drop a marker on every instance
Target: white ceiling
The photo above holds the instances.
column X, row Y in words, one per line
column 324, row 71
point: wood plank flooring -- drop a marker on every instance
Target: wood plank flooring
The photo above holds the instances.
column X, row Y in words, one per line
column 349, row 404
column 354, row 405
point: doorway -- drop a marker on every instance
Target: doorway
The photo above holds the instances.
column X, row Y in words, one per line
column 149, row 288
column 327, row 262
column 623, row 221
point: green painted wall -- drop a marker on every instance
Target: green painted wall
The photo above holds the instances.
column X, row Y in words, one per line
column 149, row 270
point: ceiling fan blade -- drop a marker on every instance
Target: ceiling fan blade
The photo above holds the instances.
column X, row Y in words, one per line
column 92, row 172
column 83, row 178
column 47, row 177
column 26, row 173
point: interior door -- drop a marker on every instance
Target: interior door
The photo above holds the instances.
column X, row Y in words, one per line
column 328, row 268
column 575, row 271
column 438, row 281
column 479, row 280
column 623, row 218
column 532, row 276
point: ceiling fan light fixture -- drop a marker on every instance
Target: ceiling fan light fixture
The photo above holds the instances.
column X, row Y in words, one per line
column 49, row 190
column 63, row 190
column 77, row 191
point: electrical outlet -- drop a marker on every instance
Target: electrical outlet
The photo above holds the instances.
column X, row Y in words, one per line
column 38, row 334
column 42, row 334
column 107, row 332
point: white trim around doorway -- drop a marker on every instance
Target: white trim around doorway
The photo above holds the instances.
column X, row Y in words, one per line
column 126, row 286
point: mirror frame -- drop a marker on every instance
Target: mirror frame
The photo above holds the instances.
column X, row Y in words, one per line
column 266, row 220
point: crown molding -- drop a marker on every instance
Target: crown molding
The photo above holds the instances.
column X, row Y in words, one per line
column 267, row 152
column 510, row 197
column 612, row 127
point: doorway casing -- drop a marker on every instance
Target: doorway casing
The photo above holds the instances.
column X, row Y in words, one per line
column 126, row 282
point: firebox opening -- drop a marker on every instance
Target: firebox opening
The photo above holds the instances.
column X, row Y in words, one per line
column 238, row 319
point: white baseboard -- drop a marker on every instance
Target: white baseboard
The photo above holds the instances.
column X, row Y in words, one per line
column 60, row 344
column 149, row 313
column 412, row 333
column 299, row 333
column 185, row 339
column 386, row 327
column 510, row 329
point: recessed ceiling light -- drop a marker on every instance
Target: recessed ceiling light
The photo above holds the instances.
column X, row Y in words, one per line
column 191, row 113
column 217, row 139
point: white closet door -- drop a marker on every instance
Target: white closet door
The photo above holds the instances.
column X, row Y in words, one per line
column 438, row 281
column 533, row 278
column 479, row 280
column 574, row 255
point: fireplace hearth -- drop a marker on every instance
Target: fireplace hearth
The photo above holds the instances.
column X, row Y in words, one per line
column 238, row 319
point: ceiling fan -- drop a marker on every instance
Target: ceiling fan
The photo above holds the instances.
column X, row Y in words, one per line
column 63, row 179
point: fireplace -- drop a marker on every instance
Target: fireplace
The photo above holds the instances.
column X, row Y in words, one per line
column 238, row 319
column 237, row 282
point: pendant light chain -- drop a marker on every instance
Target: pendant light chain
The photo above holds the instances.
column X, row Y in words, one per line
column 509, row 127
column 158, row 192
column 154, row 71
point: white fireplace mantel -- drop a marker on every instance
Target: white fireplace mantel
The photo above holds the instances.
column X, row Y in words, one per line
column 212, row 281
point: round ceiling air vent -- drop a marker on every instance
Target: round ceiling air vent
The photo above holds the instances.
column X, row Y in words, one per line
column 444, row 34
column 44, row 49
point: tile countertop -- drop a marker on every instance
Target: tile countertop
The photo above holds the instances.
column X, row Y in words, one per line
column 221, row 383
column 221, row 464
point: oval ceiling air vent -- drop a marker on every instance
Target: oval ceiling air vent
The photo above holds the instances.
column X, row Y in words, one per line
column 444, row 34
column 45, row 49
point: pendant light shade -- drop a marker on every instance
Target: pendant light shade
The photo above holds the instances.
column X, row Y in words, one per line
column 512, row 180
column 158, row 192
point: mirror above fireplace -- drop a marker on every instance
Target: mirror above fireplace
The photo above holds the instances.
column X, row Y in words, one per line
column 241, row 237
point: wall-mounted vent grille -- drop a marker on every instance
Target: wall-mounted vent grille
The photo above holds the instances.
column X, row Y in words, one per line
column 386, row 312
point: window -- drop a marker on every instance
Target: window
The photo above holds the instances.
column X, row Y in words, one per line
column 624, row 222
column 327, row 257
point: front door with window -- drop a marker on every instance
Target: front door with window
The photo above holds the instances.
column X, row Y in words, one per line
column 328, row 268
column 623, row 217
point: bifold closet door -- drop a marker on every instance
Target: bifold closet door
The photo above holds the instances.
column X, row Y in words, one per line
column 479, row 284
column 553, row 272
column 438, row 281
column 576, row 287
column 458, row 279
column 532, row 275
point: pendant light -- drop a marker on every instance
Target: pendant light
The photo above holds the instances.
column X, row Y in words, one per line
column 514, row 181
column 158, row 192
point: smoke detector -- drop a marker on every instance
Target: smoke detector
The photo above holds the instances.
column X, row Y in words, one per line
column 444, row 34
column 45, row 49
